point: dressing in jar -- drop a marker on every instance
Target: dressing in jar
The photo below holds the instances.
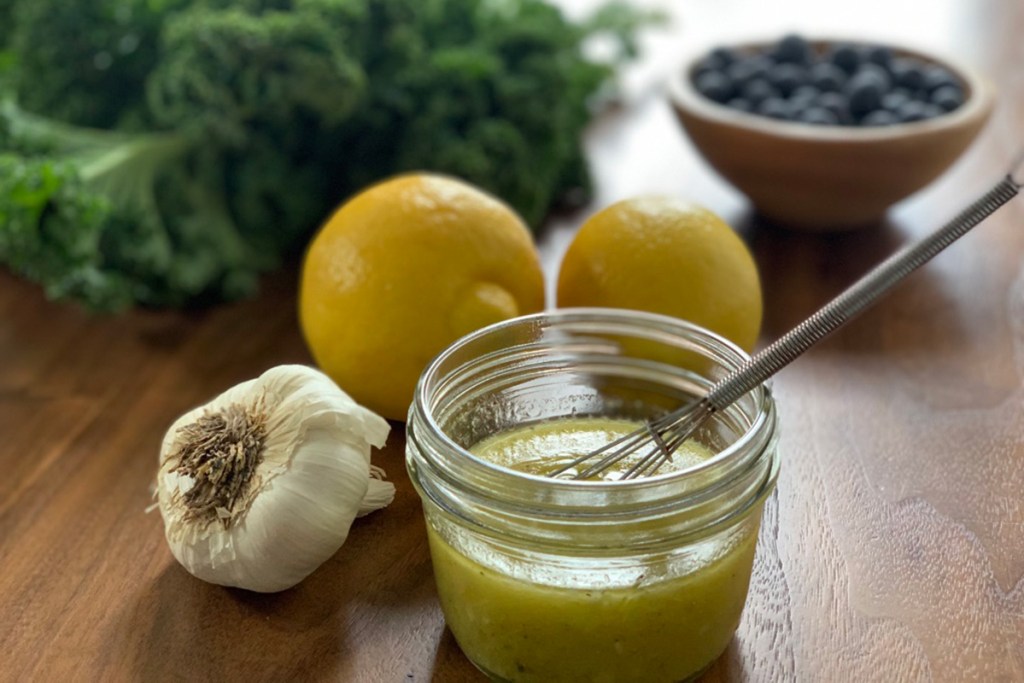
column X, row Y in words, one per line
column 553, row 579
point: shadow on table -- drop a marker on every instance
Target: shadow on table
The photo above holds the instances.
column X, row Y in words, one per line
column 802, row 271
column 368, row 613
column 181, row 628
column 728, row 666
column 449, row 659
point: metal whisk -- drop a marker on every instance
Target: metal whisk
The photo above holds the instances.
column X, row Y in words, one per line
column 658, row 439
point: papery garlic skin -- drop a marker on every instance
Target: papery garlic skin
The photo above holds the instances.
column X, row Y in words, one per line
column 313, row 480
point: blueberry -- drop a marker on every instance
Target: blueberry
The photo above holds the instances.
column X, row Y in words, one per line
column 714, row 85
column 742, row 72
column 787, row 77
column 758, row 90
column 912, row 111
column 875, row 73
column 932, row 110
column 837, row 104
column 948, row 97
column 740, row 104
column 722, row 57
column 805, row 94
column 880, row 117
column 846, row 57
column 793, row 49
column 879, row 55
column 892, row 101
column 818, row 116
column 908, row 73
column 716, row 60
column 775, row 108
column 865, row 94
column 936, row 77
column 827, row 76
column 760, row 65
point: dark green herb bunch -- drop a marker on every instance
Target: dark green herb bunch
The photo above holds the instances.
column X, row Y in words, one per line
column 167, row 152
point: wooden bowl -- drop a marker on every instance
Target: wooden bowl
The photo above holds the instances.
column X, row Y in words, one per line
column 828, row 177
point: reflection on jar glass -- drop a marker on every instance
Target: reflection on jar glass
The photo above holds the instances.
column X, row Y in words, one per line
column 545, row 579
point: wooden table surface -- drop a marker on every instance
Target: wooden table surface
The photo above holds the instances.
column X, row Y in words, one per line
column 893, row 549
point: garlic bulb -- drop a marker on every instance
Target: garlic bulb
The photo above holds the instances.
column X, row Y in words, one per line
column 260, row 486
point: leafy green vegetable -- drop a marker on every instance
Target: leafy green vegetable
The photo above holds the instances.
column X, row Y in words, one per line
column 86, row 61
column 191, row 144
column 499, row 98
column 112, row 218
column 267, row 90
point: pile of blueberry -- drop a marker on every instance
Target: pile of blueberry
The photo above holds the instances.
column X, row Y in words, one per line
column 846, row 85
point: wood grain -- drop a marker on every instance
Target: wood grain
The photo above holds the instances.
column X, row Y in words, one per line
column 892, row 550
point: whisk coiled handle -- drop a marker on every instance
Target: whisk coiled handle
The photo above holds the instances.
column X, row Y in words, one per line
column 654, row 444
column 855, row 299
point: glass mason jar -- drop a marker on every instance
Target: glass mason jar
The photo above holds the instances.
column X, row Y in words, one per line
column 548, row 579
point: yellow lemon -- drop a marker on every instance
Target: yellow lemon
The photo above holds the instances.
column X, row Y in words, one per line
column 402, row 270
column 665, row 256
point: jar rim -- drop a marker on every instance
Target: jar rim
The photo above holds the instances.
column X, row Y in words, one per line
column 763, row 397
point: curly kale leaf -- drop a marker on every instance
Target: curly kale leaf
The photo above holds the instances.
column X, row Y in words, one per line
column 263, row 86
column 52, row 230
column 497, row 93
column 110, row 219
column 233, row 127
column 85, row 62
column 6, row 21
column 226, row 71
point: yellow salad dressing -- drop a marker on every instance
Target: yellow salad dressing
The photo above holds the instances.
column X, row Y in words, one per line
column 544, row 447
column 543, row 628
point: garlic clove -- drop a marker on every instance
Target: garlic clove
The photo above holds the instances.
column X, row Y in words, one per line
column 379, row 493
column 285, row 471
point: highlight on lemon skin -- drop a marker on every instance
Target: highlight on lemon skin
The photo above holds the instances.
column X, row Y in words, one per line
column 403, row 269
column 668, row 256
